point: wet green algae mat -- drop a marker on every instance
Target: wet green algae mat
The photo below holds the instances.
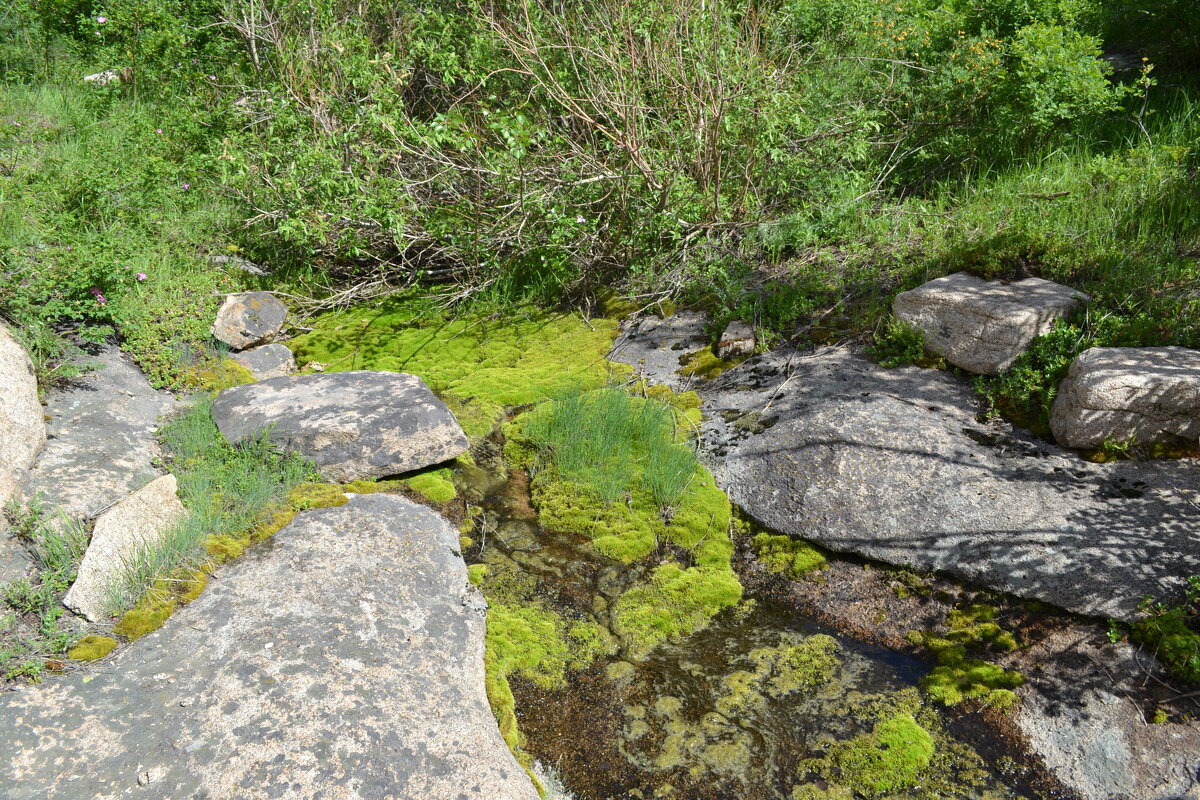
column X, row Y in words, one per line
column 620, row 648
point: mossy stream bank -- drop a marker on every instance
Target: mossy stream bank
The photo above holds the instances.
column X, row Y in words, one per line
column 624, row 654
column 761, row 703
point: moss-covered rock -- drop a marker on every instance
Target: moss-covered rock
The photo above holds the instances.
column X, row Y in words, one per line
column 316, row 495
column 436, row 485
column 90, row 648
column 216, row 375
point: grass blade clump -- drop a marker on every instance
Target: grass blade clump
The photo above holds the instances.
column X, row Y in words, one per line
column 226, row 489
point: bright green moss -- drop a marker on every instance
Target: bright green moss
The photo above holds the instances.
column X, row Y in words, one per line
column 316, row 495
column 540, row 646
column 476, row 573
column 704, row 364
column 477, row 362
column 888, row 759
column 372, row 486
column 971, row 678
column 90, row 648
column 225, row 546
column 831, row 792
column 436, row 485
column 673, row 604
column 216, row 375
column 783, row 554
column 147, row 616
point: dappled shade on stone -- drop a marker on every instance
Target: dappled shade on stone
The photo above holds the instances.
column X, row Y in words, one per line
column 1129, row 394
column 983, row 326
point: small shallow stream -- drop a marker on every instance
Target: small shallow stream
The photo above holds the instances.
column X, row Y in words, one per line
column 705, row 717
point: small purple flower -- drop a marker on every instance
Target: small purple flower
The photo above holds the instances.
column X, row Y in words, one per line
column 101, row 299
column 95, row 290
column 141, row 276
column 158, row 131
column 102, row 20
column 15, row 123
column 186, row 186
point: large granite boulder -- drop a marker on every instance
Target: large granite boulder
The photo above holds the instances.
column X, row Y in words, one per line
column 245, row 320
column 102, row 441
column 342, row 660
column 352, row 425
column 983, row 326
column 133, row 524
column 1144, row 394
column 267, row 361
column 22, row 429
column 893, row 465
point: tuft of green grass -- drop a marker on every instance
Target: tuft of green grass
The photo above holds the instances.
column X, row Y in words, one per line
column 31, row 610
column 1172, row 633
column 227, row 490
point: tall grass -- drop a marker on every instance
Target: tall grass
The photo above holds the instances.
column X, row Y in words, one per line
column 225, row 489
column 612, row 442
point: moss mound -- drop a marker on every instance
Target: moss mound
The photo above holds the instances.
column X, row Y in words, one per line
column 958, row 677
column 540, row 646
column 888, row 759
column 90, row 648
column 147, row 616
column 784, row 555
column 477, row 362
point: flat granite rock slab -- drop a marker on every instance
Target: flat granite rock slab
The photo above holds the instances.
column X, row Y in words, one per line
column 351, row 425
column 343, row 659
column 982, row 326
column 653, row 345
column 134, row 523
column 102, row 442
column 893, row 465
column 1121, row 394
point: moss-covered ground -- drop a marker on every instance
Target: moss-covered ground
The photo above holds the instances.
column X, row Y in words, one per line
column 478, row 362
column 971, row 631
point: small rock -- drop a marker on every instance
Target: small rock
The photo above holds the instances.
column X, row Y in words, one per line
column 352, row 425
column 136, row 522
column 239, row 263
column 103, row 78
column 983, row 326
column 267, row 361
column 737, row 340
column 1122, row 394
column 249, row 319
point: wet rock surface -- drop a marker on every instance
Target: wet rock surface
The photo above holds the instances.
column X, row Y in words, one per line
column 345, row 659
column 245, row 320
column 892, row 464
column 136, row 522
column 982, row 326
column 653, row 346
column 351, row 425
column 101, row 438
column 1129, row 394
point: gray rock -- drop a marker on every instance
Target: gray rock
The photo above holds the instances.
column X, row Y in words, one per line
column 337, row 661
column 1078, row 716
column 245, row 320
column 102, row 444
column 653, row 346
column 15, row 561
column 103, row 78
column 267, row 361
column 352, row 425
column 1147, row 394
column 237, row 262
column 22, row 427
column 983, row 326
column 136, row 522
column 737, row 340
column 892, row 464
